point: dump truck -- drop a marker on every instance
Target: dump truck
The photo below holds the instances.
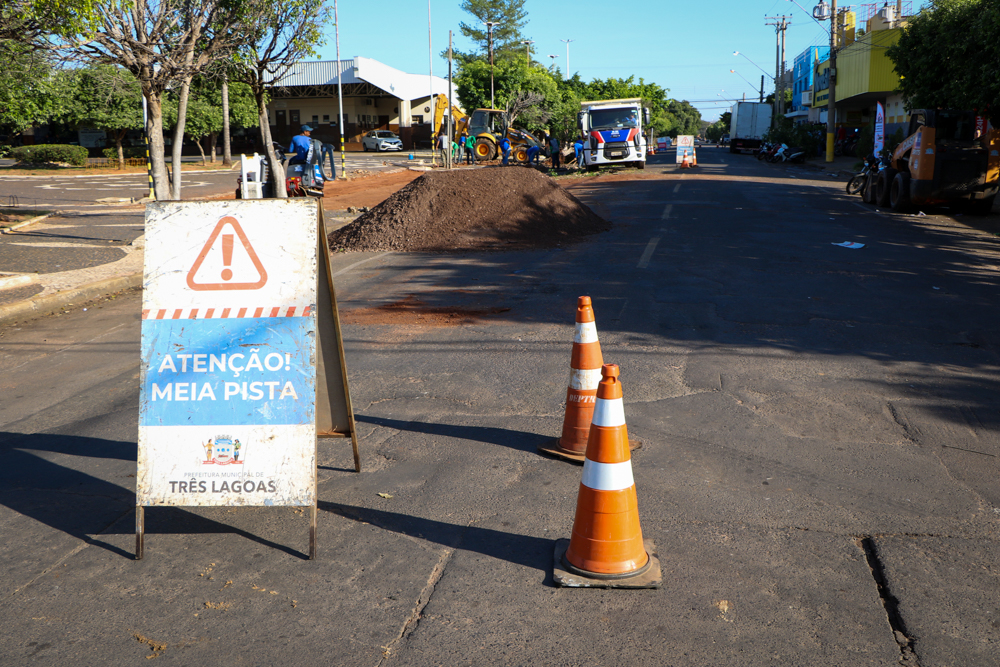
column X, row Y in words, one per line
column 614, row 131
column 487, row 126
column 948, row 157
column 748, row 123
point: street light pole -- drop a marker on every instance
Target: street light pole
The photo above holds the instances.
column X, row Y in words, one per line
column 527, row 49
column 567, row 41
column 340, row 96
column 553, row 60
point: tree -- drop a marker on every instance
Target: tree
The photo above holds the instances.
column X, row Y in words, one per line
column 28, row 90
column 948, row 56
column 161, row 42
column 510, row 17
column 278, row 35
column 104, row 97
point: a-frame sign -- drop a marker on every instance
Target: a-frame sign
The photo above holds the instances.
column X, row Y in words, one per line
column 242, row 357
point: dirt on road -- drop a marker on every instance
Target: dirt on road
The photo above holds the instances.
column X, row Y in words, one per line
column 500, row 208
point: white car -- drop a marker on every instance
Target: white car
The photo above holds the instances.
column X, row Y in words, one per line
column 380, row 140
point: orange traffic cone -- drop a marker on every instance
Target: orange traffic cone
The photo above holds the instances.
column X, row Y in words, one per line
column 694, row 158
column 606, row 548
column 581, row 395
column 685, row 163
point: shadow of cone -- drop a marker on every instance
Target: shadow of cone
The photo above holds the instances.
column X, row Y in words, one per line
column 606, row 548
column 581, row 395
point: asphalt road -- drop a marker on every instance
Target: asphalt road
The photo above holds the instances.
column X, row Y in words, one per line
column 818, row 470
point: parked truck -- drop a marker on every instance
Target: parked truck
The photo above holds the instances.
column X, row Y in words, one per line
column 749, row 122
column 615, row 135
column 948, row 157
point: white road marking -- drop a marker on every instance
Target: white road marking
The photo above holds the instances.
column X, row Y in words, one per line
column 63, row 245
column 647, row 254
column 666, row 211
column 677, row 188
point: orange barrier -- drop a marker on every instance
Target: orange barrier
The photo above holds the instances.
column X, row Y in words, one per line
column 581, row 395
column 606, row 542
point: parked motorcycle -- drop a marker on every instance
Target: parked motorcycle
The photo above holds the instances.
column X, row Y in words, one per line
column 864, row 181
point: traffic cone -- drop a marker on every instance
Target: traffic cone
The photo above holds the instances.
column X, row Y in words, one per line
column 694, row 158
column 685, row 163
column 606, row 548
column 581, row 395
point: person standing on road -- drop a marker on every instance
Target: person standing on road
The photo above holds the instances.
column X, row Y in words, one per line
column 505, row 148
column 554, row 149
column 468, row 141
column 442, row 146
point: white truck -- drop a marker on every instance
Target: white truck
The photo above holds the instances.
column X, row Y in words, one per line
column 614, row 130
column 749, row 122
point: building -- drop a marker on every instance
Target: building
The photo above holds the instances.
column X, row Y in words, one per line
column 803, row 74
column 376, row 97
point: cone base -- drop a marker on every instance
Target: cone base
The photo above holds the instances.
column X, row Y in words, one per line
column 552, row 448
column 649, row 576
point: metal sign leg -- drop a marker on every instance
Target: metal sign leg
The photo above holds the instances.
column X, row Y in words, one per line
column 312, row 535
column 140, row 530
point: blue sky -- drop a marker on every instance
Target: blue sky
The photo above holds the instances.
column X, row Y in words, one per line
column 686, row 47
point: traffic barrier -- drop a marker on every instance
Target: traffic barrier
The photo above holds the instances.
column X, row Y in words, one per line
column 581, row 395
column 606, row 548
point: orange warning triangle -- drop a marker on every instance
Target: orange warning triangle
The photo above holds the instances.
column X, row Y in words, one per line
column 227, row 253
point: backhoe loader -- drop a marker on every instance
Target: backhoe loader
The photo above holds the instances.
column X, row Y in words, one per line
column 487, row 126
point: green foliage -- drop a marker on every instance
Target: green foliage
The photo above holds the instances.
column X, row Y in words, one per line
column 129, row 152
column 28, row 90
column 715, row 131
column 510, row 16
column 948, row 56
column 104, row 97
column 50, row 153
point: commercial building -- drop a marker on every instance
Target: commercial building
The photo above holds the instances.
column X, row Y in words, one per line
column 376, row 97
column 803, row 73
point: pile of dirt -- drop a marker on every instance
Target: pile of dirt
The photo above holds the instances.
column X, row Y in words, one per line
column 496, row 208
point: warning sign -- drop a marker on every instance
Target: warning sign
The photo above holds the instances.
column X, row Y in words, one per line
column 228, row 261
column 242, row 363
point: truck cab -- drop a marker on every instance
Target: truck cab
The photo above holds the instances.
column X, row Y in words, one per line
column 614, row 130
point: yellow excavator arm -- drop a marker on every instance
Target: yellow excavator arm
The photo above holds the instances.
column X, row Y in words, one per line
column 459, row 118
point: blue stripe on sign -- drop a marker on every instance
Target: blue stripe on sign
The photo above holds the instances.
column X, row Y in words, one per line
column 240, row 371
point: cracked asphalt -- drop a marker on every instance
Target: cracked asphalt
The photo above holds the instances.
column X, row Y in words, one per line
column 818, row 469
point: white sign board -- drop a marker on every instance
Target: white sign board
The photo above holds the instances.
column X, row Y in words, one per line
column 879, row 128
column 228, row 378
column 685, row 147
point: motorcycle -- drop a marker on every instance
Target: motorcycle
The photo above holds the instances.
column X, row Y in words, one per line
column 864, row 181
column 787, row 154
column 762, row 150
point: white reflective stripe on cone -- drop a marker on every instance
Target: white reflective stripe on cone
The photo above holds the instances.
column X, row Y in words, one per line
column 584, row 379
column 586, row 332
column 609, row 412
column 607, row 476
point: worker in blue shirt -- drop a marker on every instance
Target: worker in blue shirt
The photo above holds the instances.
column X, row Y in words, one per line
column 533, row 152
column 505, row 147
column 301, row 145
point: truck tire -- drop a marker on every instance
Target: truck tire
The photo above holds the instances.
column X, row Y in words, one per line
column 484, row 150
column 641, row 164
column 981, row 206
column 883, row 185
column 899, row 193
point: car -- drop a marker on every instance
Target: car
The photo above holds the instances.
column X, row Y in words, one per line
column 381, row 140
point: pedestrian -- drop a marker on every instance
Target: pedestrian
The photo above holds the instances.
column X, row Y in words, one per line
column 442, row 146
column 578, row 148
column 555, row 150
column 456, row 152
column 470, row 143
column 505, row 147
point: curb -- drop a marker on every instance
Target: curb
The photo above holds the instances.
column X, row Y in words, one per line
column 31, row 221
column 37, row 307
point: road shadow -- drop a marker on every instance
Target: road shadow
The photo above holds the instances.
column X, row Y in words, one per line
column 503, row 437
column 524, row 550
column 88, row 507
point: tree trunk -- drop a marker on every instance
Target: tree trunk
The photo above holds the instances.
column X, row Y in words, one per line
column 201, row 150
column 175, row 162
column 213, row 141
column 119, row 135
column 227, row 154
column 154, row 132
column 277, row 169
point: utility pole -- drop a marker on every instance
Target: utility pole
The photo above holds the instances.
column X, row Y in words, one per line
column 820, row 12
column 567, row 41
column 527, row 49
column 780, row 24
column 451, row 118
column 340, row 96
column 761, row 87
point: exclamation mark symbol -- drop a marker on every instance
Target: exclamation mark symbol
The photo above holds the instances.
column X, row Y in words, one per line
column 227, row 255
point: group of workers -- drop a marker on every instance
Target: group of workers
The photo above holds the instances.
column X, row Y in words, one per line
column 466, row 144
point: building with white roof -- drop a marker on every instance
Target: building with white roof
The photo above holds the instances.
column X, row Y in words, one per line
column 376, row 97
